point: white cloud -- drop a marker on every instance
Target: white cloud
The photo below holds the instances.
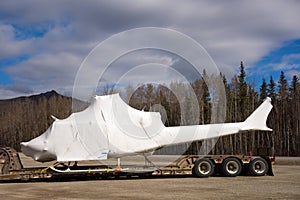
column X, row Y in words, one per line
column 9, row 46
column 46, row 71
column 230, row 31
column 289, row 57
column 290, row 62
column 14, row 90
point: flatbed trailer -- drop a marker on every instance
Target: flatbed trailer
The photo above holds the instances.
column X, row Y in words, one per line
column 12, row 169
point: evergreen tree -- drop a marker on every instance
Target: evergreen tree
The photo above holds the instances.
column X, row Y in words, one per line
column 283, row 94
column 197, row 87
column 149, row 96
column 263, row 90
column 282, row 87
column 295, row 121
column 206, row 99
column 139, row 101
column 295, row 86
column 242, row 90
column 272, row 89
column 273, row 118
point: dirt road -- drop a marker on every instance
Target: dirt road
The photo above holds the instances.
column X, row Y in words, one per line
column 284, row 185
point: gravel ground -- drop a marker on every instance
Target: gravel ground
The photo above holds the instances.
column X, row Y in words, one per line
column 284, row 185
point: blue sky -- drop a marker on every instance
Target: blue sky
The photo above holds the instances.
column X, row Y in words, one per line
column 42, row 44
column 286, row 58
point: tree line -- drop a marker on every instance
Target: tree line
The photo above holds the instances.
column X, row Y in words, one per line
column 24, row 118
column 242, row 100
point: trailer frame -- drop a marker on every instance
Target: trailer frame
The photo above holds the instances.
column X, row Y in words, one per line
column 12, row 169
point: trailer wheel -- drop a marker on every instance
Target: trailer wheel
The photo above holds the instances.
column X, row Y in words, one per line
column 258, row 166
column 203, row 168
column 231, row 167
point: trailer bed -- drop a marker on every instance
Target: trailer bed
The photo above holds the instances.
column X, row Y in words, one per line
column 17, row 167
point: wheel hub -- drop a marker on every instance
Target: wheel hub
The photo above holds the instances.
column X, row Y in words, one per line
column 204, row 168
column 259, row 167
column 232, row 167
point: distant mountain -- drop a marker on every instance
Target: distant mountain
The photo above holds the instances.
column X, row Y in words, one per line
column 24, row 118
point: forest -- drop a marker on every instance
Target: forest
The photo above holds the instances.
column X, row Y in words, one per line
column 241, row 98
column 24, row 118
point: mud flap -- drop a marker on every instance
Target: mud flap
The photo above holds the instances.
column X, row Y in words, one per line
column 270, row 171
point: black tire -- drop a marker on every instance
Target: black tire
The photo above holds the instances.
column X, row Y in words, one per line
column 231, row 167
column 203, row 168
column 258, row 167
